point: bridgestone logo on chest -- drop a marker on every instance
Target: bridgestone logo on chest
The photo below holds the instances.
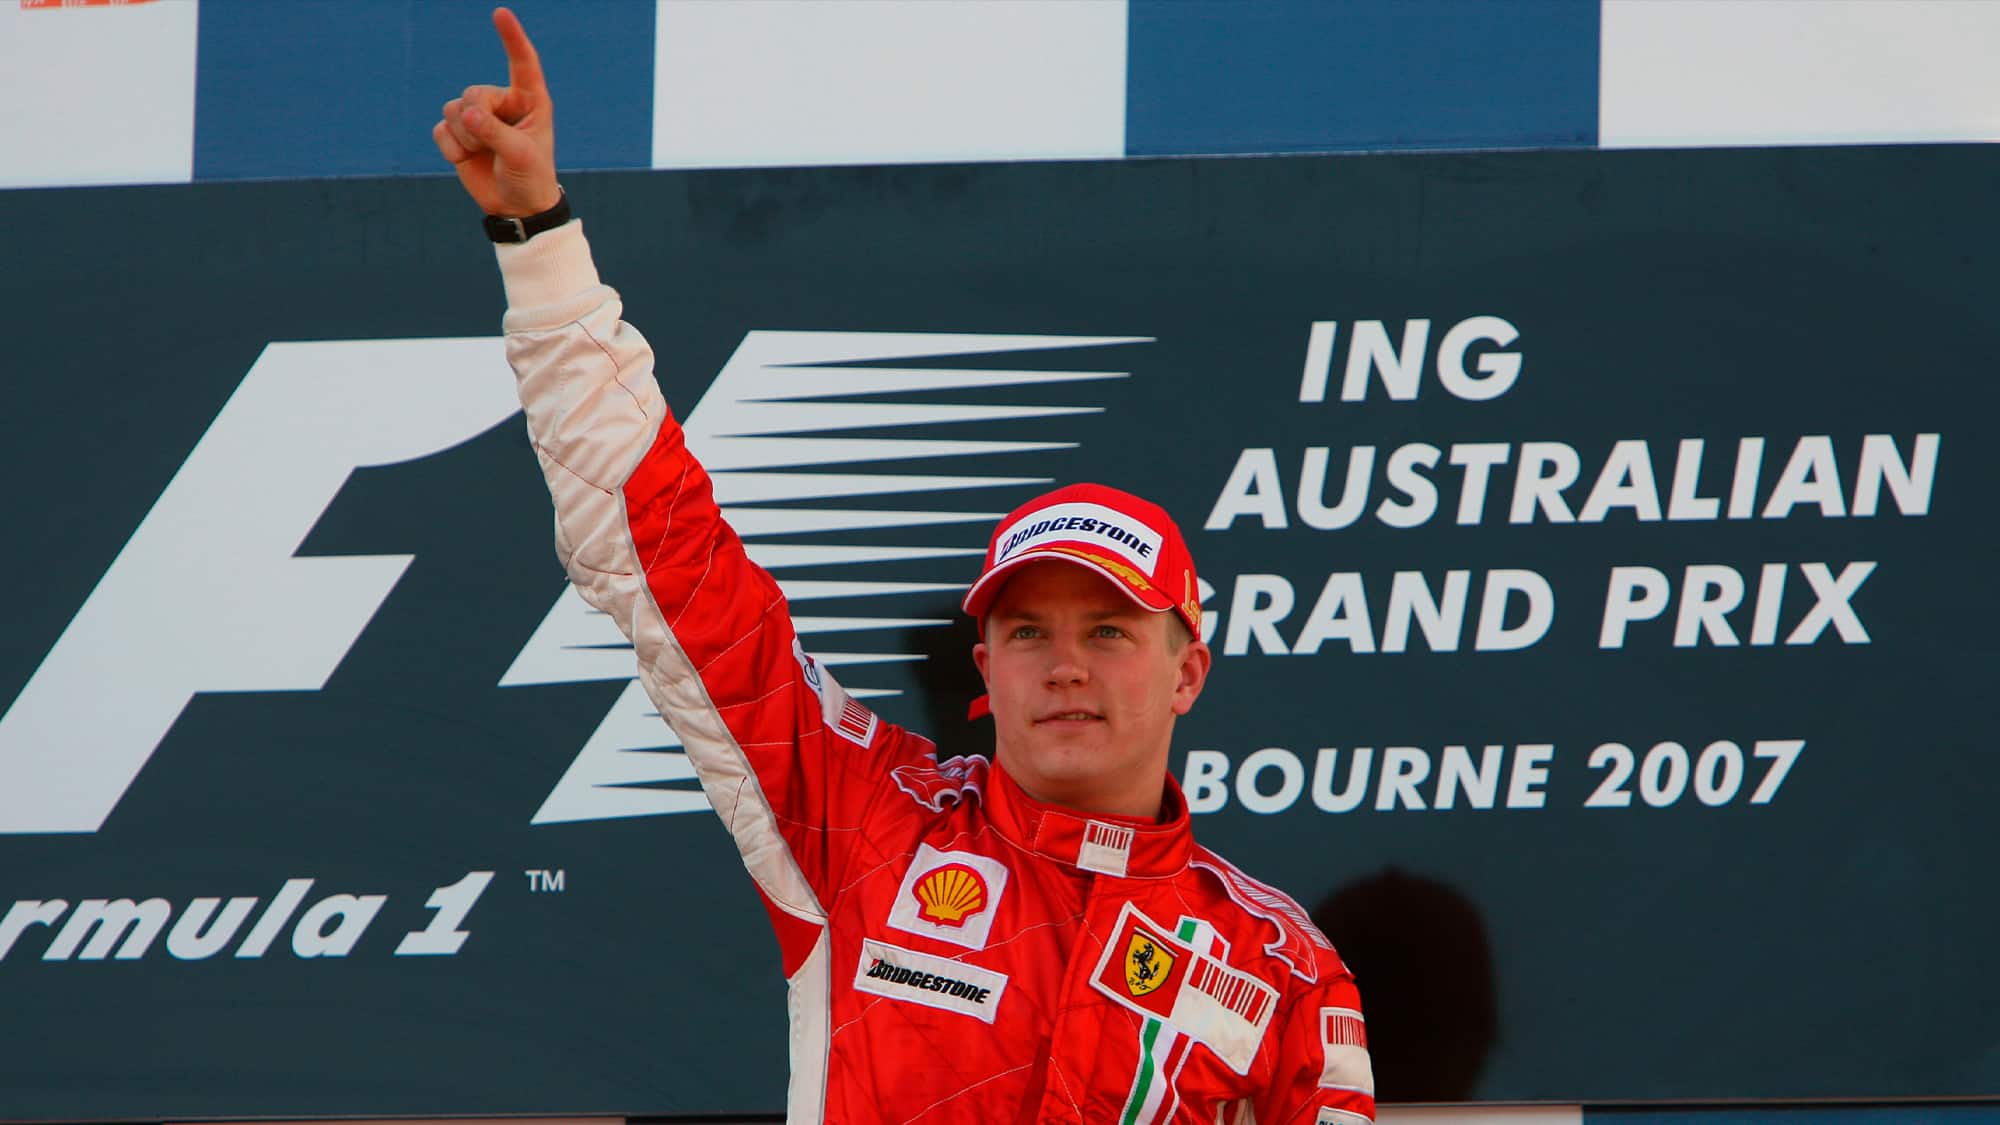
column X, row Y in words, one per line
column 883, row 970
column 920, row 978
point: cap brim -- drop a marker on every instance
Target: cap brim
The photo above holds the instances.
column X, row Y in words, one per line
column 980, row 598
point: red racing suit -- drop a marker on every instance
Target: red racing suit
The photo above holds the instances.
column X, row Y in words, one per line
column 955, row 950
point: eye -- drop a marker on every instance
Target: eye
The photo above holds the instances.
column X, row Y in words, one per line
column 1108, row 632
column 1024, row 633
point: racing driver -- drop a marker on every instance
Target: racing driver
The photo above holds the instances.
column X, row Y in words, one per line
column 1034, row 938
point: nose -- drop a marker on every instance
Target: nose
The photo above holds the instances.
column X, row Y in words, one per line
column 1067, row 667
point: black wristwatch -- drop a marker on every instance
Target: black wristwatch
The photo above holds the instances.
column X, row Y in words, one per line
column 506, row 228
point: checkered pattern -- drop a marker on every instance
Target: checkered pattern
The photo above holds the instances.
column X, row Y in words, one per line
column 111, row 92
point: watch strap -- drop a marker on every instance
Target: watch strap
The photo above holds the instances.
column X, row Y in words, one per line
column 508, row 228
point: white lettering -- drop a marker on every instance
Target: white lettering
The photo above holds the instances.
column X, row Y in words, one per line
column 125, row 929
column 1711, row 593
column 1204, row 781
column 1319, row 360
column 1498, row 370
column 1478, row 459
column 1770, row 597
column 1743, row 486
column 1547, row 467
column 1403, row 476
column 1360, row 760
column 1686, row 502
column 452, row 903
column 1291, row 780
column 1909, row 481
column 1369, row 348
column 1457, row 773
column 1625, row 481
column 1531, row 774
column 1403, row 769
column 1253, row 489
column 283, row 904
column 1411, row 492
column 25, row 913
column 1810, row 477
column 1450, row 778
column 1636, row 593
column 352, row 913
column 189, row 941
column 1410, row 599
column 1258, row 604
column 1708, row 594
column 1340, row 614
column 1832, row 607
column 1353, row 494
column 1501, row 585
column 104, row 921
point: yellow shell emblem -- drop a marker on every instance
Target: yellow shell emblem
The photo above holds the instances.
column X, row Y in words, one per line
column 1147, row 964
column 950, row 894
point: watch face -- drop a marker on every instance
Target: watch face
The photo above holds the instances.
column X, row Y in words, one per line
column 501, row 228
column 507, row 228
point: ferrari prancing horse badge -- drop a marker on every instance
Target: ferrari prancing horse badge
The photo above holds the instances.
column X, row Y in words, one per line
column 1147, row 966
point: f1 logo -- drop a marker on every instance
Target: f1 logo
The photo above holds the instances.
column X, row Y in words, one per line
column 207, row 596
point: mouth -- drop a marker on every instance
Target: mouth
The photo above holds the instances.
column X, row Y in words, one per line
column 1070, row 717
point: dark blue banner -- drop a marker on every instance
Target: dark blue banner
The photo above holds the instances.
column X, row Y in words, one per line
column 1593, row 553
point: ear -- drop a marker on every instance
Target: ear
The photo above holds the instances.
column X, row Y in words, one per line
column 979, row 658
column 1193, row 675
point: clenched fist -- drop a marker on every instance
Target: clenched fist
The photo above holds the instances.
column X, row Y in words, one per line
column 502, row 142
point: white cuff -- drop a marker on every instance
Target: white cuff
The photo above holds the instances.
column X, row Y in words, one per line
column 547, row 270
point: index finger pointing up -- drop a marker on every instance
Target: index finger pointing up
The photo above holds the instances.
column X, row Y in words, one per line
column 524, row 67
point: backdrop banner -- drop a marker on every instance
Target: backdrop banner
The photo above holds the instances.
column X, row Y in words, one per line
column 1591, row 548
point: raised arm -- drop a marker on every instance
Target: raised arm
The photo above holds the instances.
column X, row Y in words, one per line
column 789, row 761
column 502, row 140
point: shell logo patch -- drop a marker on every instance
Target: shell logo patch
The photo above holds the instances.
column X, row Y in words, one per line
column 948, row 894
column 1147, row 964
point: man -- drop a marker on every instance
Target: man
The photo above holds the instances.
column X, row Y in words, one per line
column 1035, row 939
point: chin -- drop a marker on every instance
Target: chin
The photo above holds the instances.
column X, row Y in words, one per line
column 1067, row 765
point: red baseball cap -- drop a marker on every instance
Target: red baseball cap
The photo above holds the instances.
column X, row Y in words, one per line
column 1132, row 542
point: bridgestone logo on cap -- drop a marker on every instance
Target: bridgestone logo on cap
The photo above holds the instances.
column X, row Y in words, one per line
column 1095, row 524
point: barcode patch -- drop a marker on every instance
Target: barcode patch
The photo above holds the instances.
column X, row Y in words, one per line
column 1249, row 998
column 1343, row 1037
column 1113, row 836
column 855, row 723
column 1342, row 1027
column 1106, row 848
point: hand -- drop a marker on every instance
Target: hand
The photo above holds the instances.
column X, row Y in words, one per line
column 503, row 142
